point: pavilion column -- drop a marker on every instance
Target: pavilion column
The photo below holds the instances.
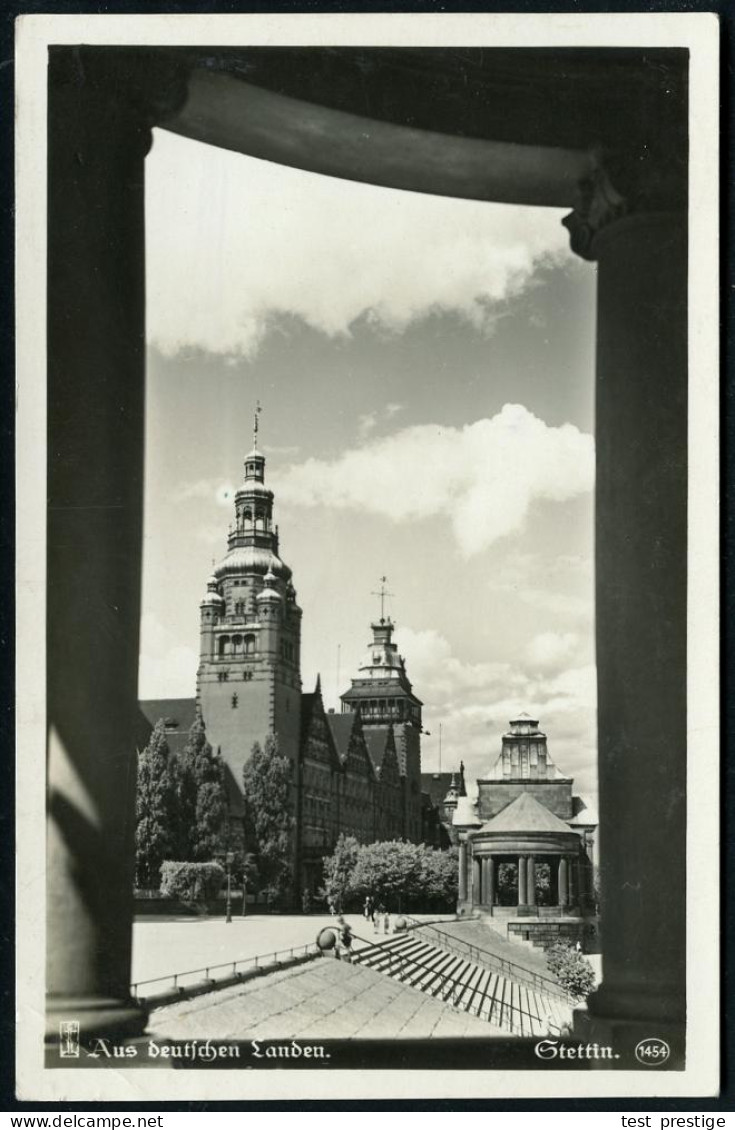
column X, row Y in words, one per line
column 462, row 870
column 476, row 881
column 521, row 880
column 483, row 879
column 563, row 882
column 97, row 139
column 490, row 895
column 571, row 884
column 641, row 576
column 531, row 881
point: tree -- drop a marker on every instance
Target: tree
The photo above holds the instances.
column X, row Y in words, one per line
column 266, row 779
column 401, row 875
column 543, row 884
column 202, row 799
column 439, row 879
column 245, row 870
column 389, row 871
column 155, row 809
column 507, row 884
column 338, row 871
column 194, row 884
column 573, row 972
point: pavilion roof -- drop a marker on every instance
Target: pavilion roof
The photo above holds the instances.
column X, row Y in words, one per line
column 525, row 814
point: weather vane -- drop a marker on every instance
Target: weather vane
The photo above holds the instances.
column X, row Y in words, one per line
column 256, row 416
column 382, row 593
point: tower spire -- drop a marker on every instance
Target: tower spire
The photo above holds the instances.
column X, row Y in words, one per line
column 256, row 424
column 382, row 592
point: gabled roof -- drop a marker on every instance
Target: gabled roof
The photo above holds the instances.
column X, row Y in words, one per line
column 375, row 740
column 582, row 814
column 341, row 726
column 525, row 814
column 312, row 707
column 179, row 715
column 437, row 785
column 389, row 771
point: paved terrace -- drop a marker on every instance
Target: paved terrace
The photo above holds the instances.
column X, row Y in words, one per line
column 163, row 945
column 325, row 999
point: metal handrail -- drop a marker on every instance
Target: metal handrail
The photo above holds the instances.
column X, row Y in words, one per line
column 256, row 961
column 500, row 964
column 404, row 960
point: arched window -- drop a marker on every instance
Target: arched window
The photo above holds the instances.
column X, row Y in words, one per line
column 249, row 645
column 236, row 644
column 247, row 514
column 223, row 646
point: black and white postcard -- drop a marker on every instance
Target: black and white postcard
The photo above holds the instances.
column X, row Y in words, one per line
column 367, row 556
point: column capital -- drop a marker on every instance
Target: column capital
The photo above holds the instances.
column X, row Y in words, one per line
column 131, row 90
column 623, row 184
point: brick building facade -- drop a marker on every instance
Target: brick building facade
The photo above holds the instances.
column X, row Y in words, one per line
column 357, row 772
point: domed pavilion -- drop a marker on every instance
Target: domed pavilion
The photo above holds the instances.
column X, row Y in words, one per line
column 526, row 843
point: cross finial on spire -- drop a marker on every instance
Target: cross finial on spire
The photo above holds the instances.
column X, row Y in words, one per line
column 256, row 416
column 382, row 593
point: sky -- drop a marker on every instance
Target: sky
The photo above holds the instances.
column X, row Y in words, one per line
column 425, row 371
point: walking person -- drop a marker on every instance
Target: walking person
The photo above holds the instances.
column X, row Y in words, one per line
column 367, row 910
column 377, row 915
column 386, row 921
column 338, row 930
column 346, row 939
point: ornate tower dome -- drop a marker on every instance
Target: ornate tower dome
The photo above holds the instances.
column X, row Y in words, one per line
column 249, row 682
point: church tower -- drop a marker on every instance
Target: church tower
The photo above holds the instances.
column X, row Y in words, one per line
column 384, row 698
column 249, row 682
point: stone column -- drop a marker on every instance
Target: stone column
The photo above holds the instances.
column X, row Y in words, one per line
column 476, row 882
column 531, row 881
column 490, row 896
column 97, row 139
column 641, row 561
column 563, row 882
column 521, row 880
column 462, row 870
column 572, row 880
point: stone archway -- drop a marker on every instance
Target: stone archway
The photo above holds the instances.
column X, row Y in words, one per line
column 628, row 214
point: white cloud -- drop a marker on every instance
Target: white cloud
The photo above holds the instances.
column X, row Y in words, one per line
column 220, row 491
column 548, row 651
column 484, row 477
column 166, row 669
column 475, row 701
column 543, row 581
column 232, row 241
column 366, row 423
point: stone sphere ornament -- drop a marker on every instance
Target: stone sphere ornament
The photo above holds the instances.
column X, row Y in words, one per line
column 400, row 925
column 326, row 939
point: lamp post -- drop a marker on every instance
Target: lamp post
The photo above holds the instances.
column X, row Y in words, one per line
column 228, row 909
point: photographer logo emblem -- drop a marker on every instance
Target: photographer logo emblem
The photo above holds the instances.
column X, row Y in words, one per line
column 69, row 1039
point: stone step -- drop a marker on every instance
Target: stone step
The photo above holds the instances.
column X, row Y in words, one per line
column 456, row 980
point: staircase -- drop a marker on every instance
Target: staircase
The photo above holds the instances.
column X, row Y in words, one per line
column 519, row 1009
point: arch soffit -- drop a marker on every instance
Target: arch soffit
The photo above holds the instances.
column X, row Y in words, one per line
column 228, row 112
